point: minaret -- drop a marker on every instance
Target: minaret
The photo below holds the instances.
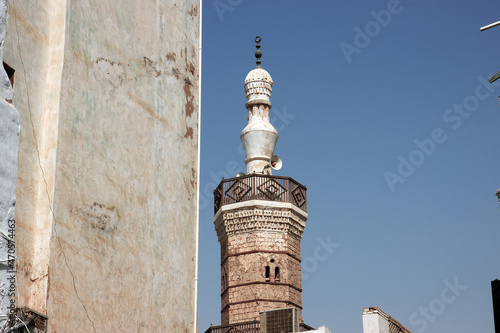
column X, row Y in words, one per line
column 259, row 219
column 259, row 137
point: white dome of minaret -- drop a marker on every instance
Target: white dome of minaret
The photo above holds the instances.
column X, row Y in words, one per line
column 258, row 83
column 259, row 137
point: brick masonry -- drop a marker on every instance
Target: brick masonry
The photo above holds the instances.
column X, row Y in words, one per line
column 260, row 259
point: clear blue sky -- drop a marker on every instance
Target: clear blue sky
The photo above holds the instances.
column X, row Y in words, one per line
column 411, row 95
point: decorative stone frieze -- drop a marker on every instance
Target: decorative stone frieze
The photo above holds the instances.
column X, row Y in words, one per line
column 277, row 219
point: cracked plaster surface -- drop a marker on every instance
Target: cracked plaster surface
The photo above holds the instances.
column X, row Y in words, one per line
column 109, row 96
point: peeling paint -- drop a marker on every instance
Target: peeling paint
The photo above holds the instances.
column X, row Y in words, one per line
column 109, row 71
column 171, row 56
column 151, row 67
column 172, row 72
column 189, row 101
column 191, row 68
column 194, row 11
column 100, row 216
column 189, row 132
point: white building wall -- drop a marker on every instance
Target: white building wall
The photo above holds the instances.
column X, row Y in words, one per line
column 106, row 213
column 375, row 323
column 322, row 329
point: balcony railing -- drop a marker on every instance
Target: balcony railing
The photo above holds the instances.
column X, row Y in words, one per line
column 260, row 187
column 248, row 327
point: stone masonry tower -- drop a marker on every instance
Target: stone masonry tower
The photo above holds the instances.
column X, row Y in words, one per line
column 259, row 219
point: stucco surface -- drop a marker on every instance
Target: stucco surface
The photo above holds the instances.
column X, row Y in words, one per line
column 31, row 49
column 116, row 123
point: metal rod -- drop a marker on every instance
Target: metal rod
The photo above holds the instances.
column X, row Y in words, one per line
column 490, row 26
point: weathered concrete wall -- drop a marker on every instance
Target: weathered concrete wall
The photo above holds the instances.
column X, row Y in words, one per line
column 9, row 143
column 33, row 47
column 108, row 96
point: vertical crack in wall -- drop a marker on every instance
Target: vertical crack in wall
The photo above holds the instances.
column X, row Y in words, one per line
column 44, row 178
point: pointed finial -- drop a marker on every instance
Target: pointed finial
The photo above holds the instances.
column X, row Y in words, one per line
column 258, row 53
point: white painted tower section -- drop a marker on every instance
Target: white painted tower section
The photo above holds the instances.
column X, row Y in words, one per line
column 373, row 322
column 259, row 137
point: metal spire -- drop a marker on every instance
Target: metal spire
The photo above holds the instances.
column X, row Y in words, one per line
column 258, row 53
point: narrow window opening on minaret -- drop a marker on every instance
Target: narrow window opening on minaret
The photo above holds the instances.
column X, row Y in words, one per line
column 267, row 273
column 277, row 274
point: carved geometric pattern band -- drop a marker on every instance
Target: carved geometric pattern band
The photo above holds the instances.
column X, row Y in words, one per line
column 238, row 190
column 250, row 220
column 272, row 189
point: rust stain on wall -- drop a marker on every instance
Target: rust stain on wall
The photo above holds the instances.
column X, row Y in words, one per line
column 145, row 107
column 194, row 11
column 171, row 56
column 189, row 132
column 21, row 20
column 193, row 175
column 190, row 68
column 189, row 99
column 34, row 285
